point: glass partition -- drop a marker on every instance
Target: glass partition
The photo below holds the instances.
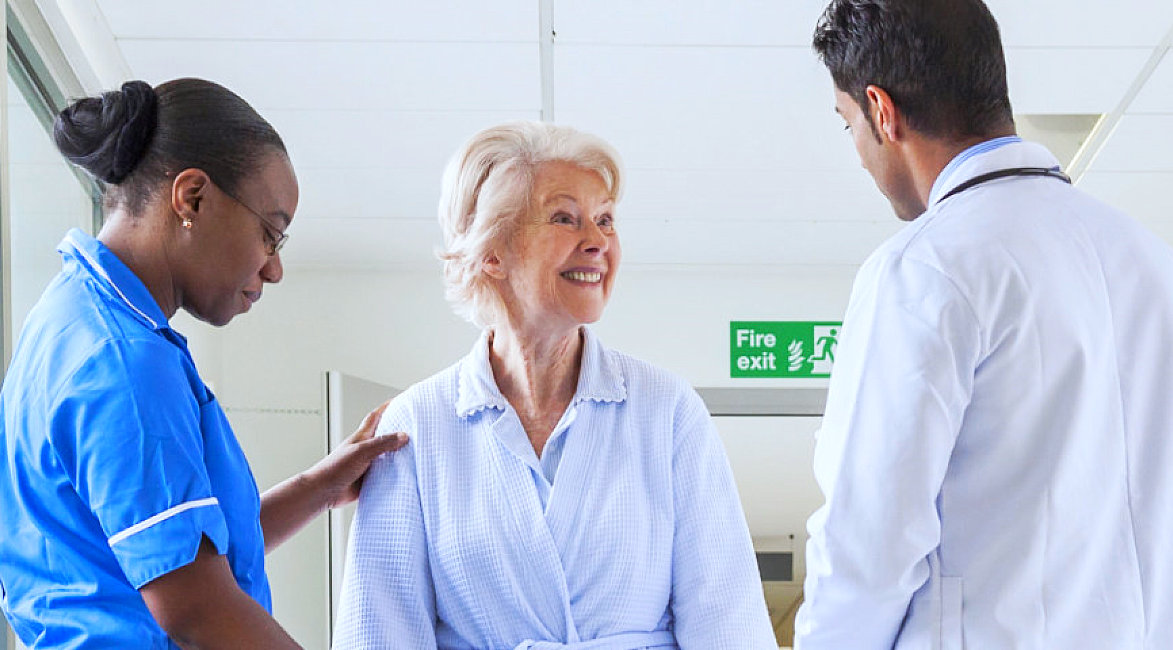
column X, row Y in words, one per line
column 45, row 200
column 43, row 196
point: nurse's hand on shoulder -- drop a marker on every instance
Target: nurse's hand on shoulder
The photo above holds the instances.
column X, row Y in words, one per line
column 339, row 475
column 332, row 482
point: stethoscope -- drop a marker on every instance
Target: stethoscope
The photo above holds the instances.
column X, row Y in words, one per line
column 1004, row 173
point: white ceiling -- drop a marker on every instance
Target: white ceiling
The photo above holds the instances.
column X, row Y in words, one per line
column 719, row 108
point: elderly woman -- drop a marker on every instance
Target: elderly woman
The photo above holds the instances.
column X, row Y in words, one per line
column 557, row 494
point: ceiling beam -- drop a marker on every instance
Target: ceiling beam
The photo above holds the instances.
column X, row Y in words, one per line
column 1103, row 130
column 546, row 53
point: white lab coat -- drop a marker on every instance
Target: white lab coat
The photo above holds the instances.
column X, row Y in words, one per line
column 997, row 451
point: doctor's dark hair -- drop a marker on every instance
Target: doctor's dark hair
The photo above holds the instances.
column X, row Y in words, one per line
column 941, row 61
column 135, row 138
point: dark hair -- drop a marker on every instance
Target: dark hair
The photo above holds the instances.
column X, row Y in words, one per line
column 132, row 139
column 941, row 61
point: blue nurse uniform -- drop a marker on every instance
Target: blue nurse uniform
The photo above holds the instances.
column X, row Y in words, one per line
column 117, row 462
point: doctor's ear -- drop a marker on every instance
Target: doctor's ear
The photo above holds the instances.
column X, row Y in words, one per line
column 883, row 114
column 188, row 191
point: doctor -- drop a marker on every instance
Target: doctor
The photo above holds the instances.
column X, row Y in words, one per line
column 998, row 439
column 129, row 516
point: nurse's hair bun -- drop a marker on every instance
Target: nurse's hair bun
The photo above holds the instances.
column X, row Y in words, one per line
column 108, row 135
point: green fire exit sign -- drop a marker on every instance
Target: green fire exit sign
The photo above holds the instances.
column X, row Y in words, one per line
column 782, row 348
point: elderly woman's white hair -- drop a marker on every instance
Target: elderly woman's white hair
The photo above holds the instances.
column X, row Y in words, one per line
column 486, row 192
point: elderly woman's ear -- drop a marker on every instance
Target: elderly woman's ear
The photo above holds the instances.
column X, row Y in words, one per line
column 493, row 267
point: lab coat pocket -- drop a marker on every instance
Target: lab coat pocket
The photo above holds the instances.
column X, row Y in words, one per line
column 951, row 593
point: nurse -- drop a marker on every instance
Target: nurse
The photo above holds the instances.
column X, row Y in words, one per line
column 996, row 449
column 130, row 518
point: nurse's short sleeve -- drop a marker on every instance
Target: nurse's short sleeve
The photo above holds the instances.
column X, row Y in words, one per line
column 126, row 427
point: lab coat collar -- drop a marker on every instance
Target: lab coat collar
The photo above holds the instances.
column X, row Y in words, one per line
column 1011, row 154
column 113, row 277
column 599, row 378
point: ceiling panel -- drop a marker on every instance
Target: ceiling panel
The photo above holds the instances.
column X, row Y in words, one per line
column 380, row 139
column 742, row 83
column 1140, row 143
column 1157, row 94
column 1082, row 23
column 703, row 108
column 1071, row 80
column 714, row 196
column 721, row 112
column 690, row 141
column 671, row 22
column 1069, row 23
column 341, row 75
column 397, row 20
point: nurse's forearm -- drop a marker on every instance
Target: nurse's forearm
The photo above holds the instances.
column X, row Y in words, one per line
column 288, row 506
column 200, row 606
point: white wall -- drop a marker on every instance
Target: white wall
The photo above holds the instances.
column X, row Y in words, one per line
column 679, row 319
column 773, row 464
column 396, row 328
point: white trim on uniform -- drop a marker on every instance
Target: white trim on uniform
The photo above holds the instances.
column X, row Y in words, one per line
column 162, row 516
column 97, row 267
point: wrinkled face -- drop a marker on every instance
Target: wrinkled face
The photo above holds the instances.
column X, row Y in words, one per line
column 559, row 267
column 880, row 158
column 230, row 259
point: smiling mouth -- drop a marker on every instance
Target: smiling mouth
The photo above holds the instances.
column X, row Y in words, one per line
column 583, row 276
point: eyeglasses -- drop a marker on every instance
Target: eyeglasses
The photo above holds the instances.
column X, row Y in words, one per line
column 274, row 239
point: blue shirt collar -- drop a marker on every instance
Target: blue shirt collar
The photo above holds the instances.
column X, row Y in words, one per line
column 1008, row 154
column 598, row 379
column 112, row 276
column 959, row 159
